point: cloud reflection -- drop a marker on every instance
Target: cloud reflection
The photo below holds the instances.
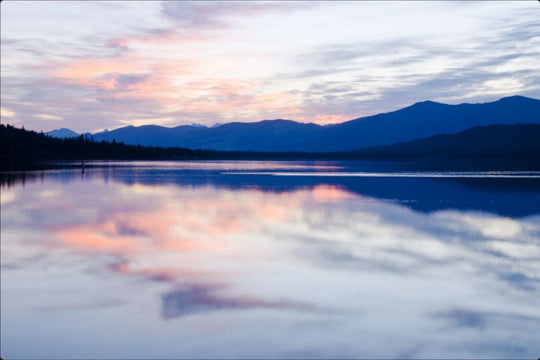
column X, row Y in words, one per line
column 283, row 254
column 194, row 298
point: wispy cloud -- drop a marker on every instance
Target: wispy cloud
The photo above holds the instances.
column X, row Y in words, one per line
column 221, row 14
column 207, row 62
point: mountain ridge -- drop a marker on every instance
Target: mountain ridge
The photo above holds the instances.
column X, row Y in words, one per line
column 62, row 133
column 419, row 120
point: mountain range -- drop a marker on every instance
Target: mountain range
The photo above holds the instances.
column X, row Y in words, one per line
column 62, row 133
column 421, row 120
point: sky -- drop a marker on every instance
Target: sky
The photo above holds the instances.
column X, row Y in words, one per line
column 94, row 65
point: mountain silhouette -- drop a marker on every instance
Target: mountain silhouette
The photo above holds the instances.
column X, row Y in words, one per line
column 62, row 133
column 429, row 118
column 421, row 120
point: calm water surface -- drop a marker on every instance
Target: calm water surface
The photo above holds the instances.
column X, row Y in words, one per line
column 269, row 260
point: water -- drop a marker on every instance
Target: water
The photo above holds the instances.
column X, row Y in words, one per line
column 269, row 260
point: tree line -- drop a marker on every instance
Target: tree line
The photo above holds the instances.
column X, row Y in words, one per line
column 21, row 146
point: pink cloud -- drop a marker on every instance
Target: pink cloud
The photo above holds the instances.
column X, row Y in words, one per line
column 161, row 38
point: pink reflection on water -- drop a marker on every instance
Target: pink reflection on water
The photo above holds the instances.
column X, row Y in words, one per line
column 87, row 239
column 190, row 223
column 331, row 193
column 189, row 239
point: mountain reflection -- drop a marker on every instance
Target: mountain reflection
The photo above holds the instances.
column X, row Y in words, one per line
column 509, row 197
column 197, row 246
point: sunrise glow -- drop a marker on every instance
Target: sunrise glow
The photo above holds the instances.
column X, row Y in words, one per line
column 174, row 63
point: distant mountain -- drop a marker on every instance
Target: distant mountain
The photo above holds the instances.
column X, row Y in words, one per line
column 429, row 118
column 489, row 147
column 420, row 120
column 494, row 141
column 267, row 135
column 62, row 133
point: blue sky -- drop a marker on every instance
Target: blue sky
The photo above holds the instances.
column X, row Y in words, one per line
column 94, row 65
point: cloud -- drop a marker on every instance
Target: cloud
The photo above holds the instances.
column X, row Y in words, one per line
column 49, row 117
column 364, row 77
column 206, row 62
column 216, row 15
column 6, row 113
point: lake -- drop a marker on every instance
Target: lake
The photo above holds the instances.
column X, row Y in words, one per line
column 238, row 259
